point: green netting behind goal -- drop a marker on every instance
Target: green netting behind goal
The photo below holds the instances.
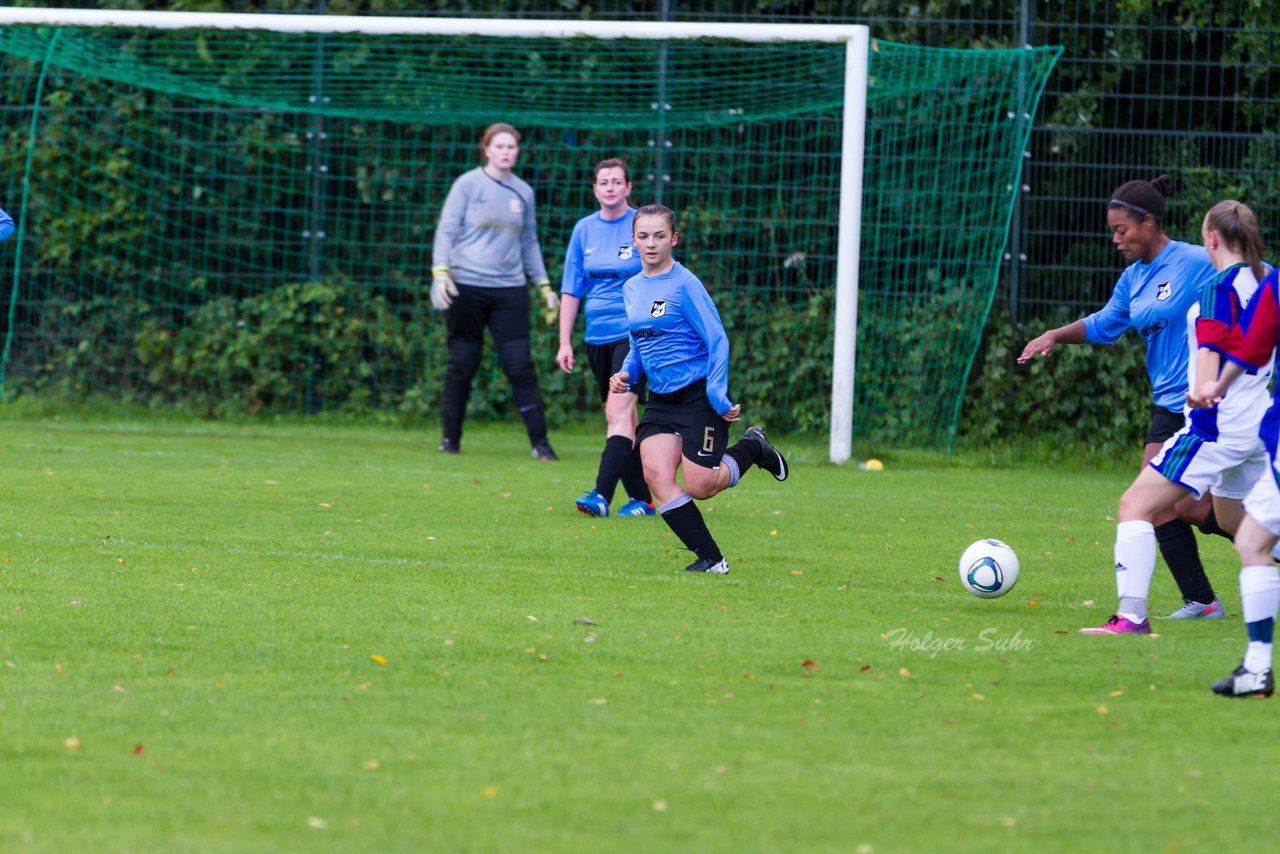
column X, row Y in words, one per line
column 235, row 222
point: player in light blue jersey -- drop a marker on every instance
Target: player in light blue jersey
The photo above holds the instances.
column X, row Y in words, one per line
column 6, row 226
column 679, row 344
column 1218, row 452
column 1152, row 298
column 599, row 258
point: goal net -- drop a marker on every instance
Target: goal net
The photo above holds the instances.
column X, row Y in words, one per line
column 232, row 221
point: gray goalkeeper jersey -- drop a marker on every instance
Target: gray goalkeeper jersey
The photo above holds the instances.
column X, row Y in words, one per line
column 487, row 236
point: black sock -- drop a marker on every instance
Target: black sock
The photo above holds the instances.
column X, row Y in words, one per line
column 613, row 459
column 633, row 478
column 685, row 520
column 1210, row 526
column 1178, row 548
column 745, row 453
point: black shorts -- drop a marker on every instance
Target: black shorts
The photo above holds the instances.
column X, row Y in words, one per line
column 1164, row 423
column 606, row 360
column 688, row 414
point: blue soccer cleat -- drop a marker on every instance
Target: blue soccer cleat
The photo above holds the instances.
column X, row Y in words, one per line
column 636, row 507
column 593, row 504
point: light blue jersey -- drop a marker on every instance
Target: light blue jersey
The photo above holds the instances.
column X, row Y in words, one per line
column 599, row 259
column 6, row 226
column 1153, row 299
column 676, row 335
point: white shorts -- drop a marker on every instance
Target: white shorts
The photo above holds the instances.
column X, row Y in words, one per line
column 1263, row 502
column 1201, row 465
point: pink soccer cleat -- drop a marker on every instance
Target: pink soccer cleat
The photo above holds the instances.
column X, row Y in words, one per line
column 1118, row 625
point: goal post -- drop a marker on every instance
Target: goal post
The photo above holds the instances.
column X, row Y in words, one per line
column 232, row 213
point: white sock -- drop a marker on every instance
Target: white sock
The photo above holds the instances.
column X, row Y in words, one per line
column 1135, row 564
column 1259, row 599
column 1257, row 657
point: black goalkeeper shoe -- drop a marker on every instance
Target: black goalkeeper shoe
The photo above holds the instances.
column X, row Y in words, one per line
column 1242, row 683
column 449, row 446
column 542, row 451
column 771, row 459
column 707, row 565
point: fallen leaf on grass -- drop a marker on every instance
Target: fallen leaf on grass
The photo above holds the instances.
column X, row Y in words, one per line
column 71, row 743
column 371, row 765
column 317, row 822
column 1103, row 710
column 585, row 621
column 379, row 658
column 489, row 792
column 659, row 806
column 810, row 665
column 598, row 701
column 902, row 671
column 137, row 750
column 864, row 668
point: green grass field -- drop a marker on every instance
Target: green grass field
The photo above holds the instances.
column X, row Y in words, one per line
column 285, row 638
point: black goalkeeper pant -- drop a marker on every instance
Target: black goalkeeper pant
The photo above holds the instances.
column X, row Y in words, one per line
column 505, row 313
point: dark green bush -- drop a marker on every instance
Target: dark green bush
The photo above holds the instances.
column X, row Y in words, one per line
column 1086, row 395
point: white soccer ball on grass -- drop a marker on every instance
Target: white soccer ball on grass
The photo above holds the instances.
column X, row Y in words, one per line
column 988, row 569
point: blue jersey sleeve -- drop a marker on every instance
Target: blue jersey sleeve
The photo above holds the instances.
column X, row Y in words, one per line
column 1111, row 321
column 632, row 366
column 6, row 226
column 574, row 281
column 705, row 319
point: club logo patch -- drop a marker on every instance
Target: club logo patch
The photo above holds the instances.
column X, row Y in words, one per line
column 659, row 308
column 625, row 251
column 1164, row 290
column 517, row 206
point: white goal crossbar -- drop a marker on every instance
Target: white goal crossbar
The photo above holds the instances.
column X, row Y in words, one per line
column 856, row 39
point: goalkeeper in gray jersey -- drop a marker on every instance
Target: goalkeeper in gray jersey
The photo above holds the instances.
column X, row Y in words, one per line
column 486, row 249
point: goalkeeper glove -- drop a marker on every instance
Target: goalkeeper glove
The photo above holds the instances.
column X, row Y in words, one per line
column 550, row 299
column 443, row 290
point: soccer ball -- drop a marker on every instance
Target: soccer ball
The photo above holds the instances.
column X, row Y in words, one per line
column 988, row 569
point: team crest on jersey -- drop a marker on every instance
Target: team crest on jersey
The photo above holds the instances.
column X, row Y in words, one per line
column 659, row 308
column 625, row 251
column 1164, row 290
column 517, row 206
